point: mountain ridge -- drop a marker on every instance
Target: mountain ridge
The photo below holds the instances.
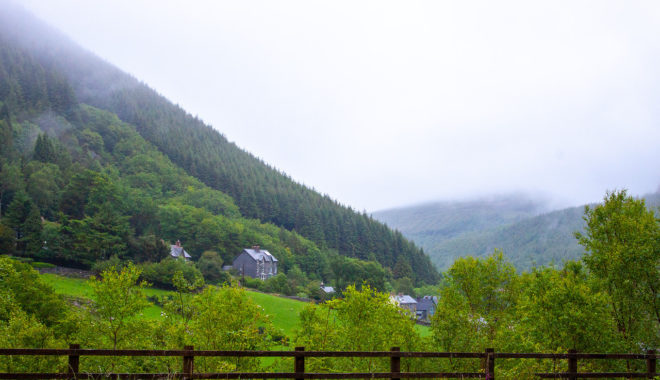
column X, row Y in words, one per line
column 528, row 236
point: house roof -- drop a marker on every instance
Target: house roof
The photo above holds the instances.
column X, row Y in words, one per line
column 328, row 289
column 404, row 300
column 260, row 254
column 179, row 252
column 426, row 303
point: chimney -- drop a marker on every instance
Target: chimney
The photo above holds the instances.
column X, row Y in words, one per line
column 178, row 243
column 256, row 248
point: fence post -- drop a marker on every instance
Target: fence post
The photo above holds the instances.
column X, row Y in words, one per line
column 490, row 364
column 74, row 362
column 188, row 363
column 650, row 363
column 572, row 364
column 395, row 363
column 299, row 366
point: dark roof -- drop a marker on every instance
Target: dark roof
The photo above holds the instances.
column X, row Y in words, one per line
column 261, row 254
column 426, row 303
column 179, row 252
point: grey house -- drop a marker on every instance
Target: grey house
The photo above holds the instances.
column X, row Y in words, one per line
column 256, row 263
column 177, row 251
column 426, row 307
column 404, row 302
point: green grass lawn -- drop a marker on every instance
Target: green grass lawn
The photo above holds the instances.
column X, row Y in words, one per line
column 283, row 311
column 77, row 287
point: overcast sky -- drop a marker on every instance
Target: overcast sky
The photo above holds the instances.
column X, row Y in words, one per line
column 382, row 104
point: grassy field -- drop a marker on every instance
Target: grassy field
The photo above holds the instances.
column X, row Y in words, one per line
column 284, row 311
column 77, row 287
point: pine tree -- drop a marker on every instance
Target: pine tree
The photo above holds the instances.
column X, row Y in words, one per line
column 32, row 229
column 17, row 214
column 44, row 150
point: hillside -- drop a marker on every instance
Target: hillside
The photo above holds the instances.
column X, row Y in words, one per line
column 114, row 168
column 429, row 223
column 528, row 238
column 260, row 191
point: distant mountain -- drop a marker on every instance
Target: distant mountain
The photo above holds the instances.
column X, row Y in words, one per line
column 517, row 225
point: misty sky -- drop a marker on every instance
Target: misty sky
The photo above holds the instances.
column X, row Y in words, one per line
column 382, row 104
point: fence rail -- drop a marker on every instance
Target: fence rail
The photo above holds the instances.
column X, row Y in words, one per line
column 188, row 354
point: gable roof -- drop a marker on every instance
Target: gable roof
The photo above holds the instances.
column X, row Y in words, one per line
column 327, row 289
column 260, row 254
column 178, row 252
column 426, row 303
column 404, row 300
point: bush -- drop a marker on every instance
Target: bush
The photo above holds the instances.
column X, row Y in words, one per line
column 278, row 284
column 161, row 274
column 253, row 283
column 210, row 264
column 113, row 262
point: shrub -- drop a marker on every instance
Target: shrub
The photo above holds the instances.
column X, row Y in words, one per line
column 210, row 264
column 161, row 274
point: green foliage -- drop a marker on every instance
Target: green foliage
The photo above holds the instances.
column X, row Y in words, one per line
column 278, row 284
column 23, row 217
column 162, row 273
column 119, row 299
column 622, row 240
column 210, row 264
column 7, row 239
column 559, row 310
column 225, row 318
column 21, row 283
column 44, row 150
column 347, row 271
column 364, row 320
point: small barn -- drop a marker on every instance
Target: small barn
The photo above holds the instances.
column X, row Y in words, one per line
column 256, row 263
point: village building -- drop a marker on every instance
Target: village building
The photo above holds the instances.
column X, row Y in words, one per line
column 426, row 307
column 177, row 251
column 405, row 302
column 256, row 263
column 327, row 289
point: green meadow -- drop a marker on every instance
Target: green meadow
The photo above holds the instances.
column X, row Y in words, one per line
column 283, row 311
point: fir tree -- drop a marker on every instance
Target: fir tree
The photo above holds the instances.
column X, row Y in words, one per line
column 17, row 214
column 32, row 229
column 44, row 150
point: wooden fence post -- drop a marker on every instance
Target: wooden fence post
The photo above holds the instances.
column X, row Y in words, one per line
column 572, row 364
column 395, row 363
column 74, row 362
column 650, row 363
column 299, row 366
column 188, row 363
column 490, row 364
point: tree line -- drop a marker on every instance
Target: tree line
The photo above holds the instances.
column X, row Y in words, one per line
column 606, row 302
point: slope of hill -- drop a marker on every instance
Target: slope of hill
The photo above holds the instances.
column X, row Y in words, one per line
column 430, row 223
column 49, row 84
column 259, row 190
column 450, row 230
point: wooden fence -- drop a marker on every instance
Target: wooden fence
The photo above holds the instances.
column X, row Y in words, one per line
column 188, row 355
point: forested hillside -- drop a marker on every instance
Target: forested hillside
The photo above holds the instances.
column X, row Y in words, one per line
column 429, row 223
column 527, row 237
column 79, row 185
column 259, row 190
